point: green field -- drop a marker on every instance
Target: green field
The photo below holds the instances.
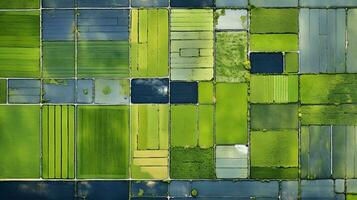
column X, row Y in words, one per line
column 345, row 114
column 58, row 59
column 231, row 113
column 103, row 142
column 149, row 43
column 205, row 93
column 103, row 59
column 58, row 142
column 3, row 91
column 19, row 142
column 323, row 89
column 192, row 126
column 274, row 89
column 20, row 44
column 191, row 163
column 5, row 4
column 274, row 116
column 231, row 56
column 274, row 20
column 274, row 42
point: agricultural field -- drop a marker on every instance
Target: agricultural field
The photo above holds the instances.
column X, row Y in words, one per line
column 178, row 99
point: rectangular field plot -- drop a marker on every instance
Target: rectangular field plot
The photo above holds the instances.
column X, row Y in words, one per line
column 58, row 142
column 231, row 113
column 58, row 46
column 20, row 128
column 150, row 141
column 328, row 151
column 19, row 4
column 149, row 43
column 20, row 35
column 228, row 45
column 191, row 44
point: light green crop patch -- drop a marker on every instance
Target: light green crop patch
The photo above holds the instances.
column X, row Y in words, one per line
column 321, row 89
column 274, row 89
column 351, row 197
column 20, row 142
column 274, row 148
column 149, row 141
column 205, row 93
column 4, row 4
column 20, row 44
column 274, row 42
column 231, row 57
column 192, row 126
column 149, row 43
column 274, row 20
column 291, row 62
column 274, row 154
column 231, row 113
column 58, row 142
column 103, row 142
column 274, row 116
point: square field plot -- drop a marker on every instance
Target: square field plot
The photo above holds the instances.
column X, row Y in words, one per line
column 103, row 46
column 20, row 142
column 274, row 154
column 103, row 142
